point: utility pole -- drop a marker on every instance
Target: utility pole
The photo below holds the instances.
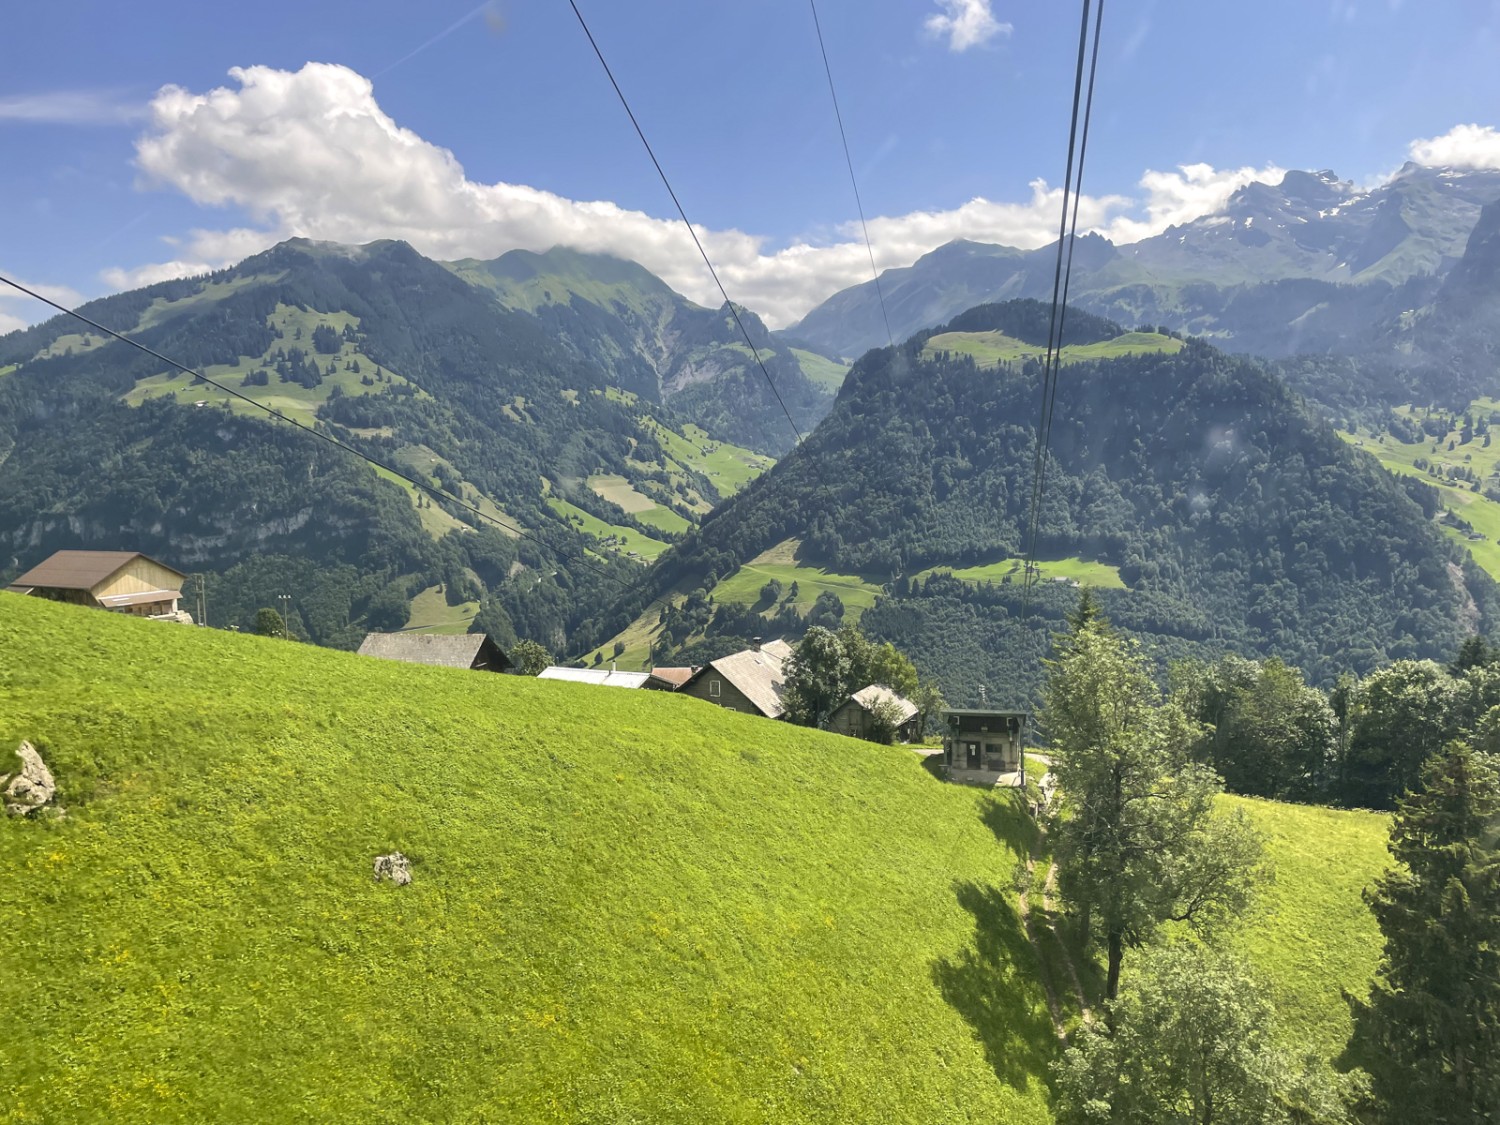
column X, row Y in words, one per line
column 202, row 590
column 286, row 613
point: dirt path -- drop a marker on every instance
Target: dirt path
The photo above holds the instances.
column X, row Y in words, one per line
column 1053, row 1006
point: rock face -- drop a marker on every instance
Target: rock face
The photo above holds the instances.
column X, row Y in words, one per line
column 395, row 867
column 33, row 787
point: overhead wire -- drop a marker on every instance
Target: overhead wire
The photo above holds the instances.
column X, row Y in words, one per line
column 692, row 231
column 321, row 435
column 853, row 182
column 1062, row 276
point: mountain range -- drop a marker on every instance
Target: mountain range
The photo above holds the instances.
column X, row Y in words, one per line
column 1308, row 265
column 561, row 394
column 1210, row 507
column 599, row 421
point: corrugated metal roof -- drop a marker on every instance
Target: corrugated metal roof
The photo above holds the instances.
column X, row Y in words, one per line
column 81, row 570
column 606, row 677
column 869, row 697
column 118, row 600
column 445, row 651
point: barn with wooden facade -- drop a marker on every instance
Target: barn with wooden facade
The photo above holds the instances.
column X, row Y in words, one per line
column 474, row 651
column 857, row 716
column 120, row 581
column 750, row 681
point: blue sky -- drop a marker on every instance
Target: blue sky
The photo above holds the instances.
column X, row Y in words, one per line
column 471, row 130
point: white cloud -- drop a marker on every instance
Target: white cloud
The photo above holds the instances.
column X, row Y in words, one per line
column 17, row 310
column 1463, row 146
column 1181, row 196
column 311, row 153
column 966, row 23
column 71, row 107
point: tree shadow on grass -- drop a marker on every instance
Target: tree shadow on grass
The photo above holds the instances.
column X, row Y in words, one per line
column 994, row 985
column 1005, row 815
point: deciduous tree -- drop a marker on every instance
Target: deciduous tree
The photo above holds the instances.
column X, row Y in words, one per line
column 1137, row 837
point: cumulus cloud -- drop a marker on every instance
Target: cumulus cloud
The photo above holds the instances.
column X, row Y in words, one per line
column 1463, row 146
column 71, row 107
column 17, row 310
column 311, row 153
column 1177, row 197
column 965, row 23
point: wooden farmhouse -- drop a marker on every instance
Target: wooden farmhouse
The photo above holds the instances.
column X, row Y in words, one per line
column 475, row 651
column 985, row 746
column 119, row 581
column 750, row 681
column 856, row 717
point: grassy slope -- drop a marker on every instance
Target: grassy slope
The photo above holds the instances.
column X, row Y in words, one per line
column 1080, row 570
column 827, row 373
column 431, row 613
column 1457, row 496
column 1309, row 934
column 990, row 348
column 626, row 538
column 609, row 919
column 743, row 586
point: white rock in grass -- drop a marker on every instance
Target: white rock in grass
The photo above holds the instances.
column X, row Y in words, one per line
column 395, row 867
column 33, row 787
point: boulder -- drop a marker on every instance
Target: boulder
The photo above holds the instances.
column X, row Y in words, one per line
column 395, row 867
column 33, row 787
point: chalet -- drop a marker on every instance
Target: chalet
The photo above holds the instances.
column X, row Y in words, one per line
column 466, row 650
column 119, row 581
column 985, row 746
column 856, row 717
column 750, row 681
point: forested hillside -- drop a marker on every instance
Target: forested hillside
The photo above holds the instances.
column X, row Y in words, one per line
column 102, row 446
column 1235, row 520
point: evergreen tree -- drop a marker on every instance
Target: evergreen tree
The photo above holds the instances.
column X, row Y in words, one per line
column 1430, row 1031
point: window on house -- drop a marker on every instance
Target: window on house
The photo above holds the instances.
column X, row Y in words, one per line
column 713, row 689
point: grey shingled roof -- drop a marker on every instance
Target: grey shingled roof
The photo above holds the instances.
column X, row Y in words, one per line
column 80, row 570
column 758, row 675
column 869, row 697
column 453, row 651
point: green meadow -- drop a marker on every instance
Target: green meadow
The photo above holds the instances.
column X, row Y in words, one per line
column 780, row 562
column 1082, row 571
column 609, row 919
column 827, row 373
column 1309, row 935
column 992, row 348
column 1457, row 496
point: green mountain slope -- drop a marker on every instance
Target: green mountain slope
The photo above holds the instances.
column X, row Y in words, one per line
column 101, row 446
column 1233, row 518
column 659, row 345
column 609, row 919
